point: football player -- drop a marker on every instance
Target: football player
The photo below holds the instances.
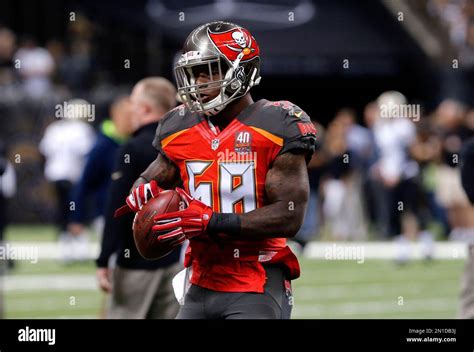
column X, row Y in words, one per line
column 242, row 165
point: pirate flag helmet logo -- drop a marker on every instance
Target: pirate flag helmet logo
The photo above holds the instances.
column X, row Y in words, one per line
column 234, row 42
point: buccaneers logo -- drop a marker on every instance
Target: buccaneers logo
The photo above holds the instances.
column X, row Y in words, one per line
column 235, row 41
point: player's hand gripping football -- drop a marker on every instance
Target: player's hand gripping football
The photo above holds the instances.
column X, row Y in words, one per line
column 191, row 221
column 138, row 197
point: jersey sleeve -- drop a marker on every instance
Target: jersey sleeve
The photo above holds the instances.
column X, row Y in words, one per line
column 174, row 122
column 285, row 124
column 162, row 131
column 158, row 137
column 299, row 133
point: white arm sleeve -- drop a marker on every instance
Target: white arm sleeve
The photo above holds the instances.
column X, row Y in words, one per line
column 8, row 181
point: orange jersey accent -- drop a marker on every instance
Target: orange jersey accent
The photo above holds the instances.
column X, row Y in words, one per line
column 227, row 170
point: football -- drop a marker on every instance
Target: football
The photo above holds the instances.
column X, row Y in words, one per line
column 146, row 241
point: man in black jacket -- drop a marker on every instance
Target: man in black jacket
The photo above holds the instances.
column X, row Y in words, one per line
column 139, row 288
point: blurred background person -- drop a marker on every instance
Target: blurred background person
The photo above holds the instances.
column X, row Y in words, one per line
column 450, row 121
column 7, row 190
column 399, row 174
column 77, row 65
column 91, row 189
column 35, row 66
column 342, row 205
column 65, row 145
column 374, row 195
column 426, row 151
column 7, row 50
column 139, row 288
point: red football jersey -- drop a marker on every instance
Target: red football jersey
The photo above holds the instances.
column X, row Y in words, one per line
column 227, row 170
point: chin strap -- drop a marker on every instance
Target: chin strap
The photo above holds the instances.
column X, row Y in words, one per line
column 236, row 63
column 253, row 81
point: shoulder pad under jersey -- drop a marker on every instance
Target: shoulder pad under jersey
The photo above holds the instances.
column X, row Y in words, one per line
column 291, row 126
column 176, row 120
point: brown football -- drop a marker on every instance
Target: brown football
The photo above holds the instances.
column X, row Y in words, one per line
column 145, row 240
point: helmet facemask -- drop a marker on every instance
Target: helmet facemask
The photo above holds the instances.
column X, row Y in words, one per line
column 222, row 74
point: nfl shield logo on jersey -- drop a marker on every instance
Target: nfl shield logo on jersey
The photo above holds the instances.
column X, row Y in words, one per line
column 215, row 144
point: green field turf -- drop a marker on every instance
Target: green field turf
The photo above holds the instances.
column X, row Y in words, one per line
column 33, row 233
column 375, row 289
column 326, row 289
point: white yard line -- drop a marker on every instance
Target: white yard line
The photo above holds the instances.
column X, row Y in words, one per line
column 51, row 305
column 49, row 282
column 314, row 250
column 67, row 317
column 372, row 290
column 366, row 278
column 381, row 250
column 45, row 250
column 372, row 307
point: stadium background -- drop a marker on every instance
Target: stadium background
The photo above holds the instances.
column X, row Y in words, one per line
column 304, row 47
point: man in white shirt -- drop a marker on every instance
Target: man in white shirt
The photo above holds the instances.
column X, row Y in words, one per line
column 35, row 66
column 65, row 144
column 394, row 133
